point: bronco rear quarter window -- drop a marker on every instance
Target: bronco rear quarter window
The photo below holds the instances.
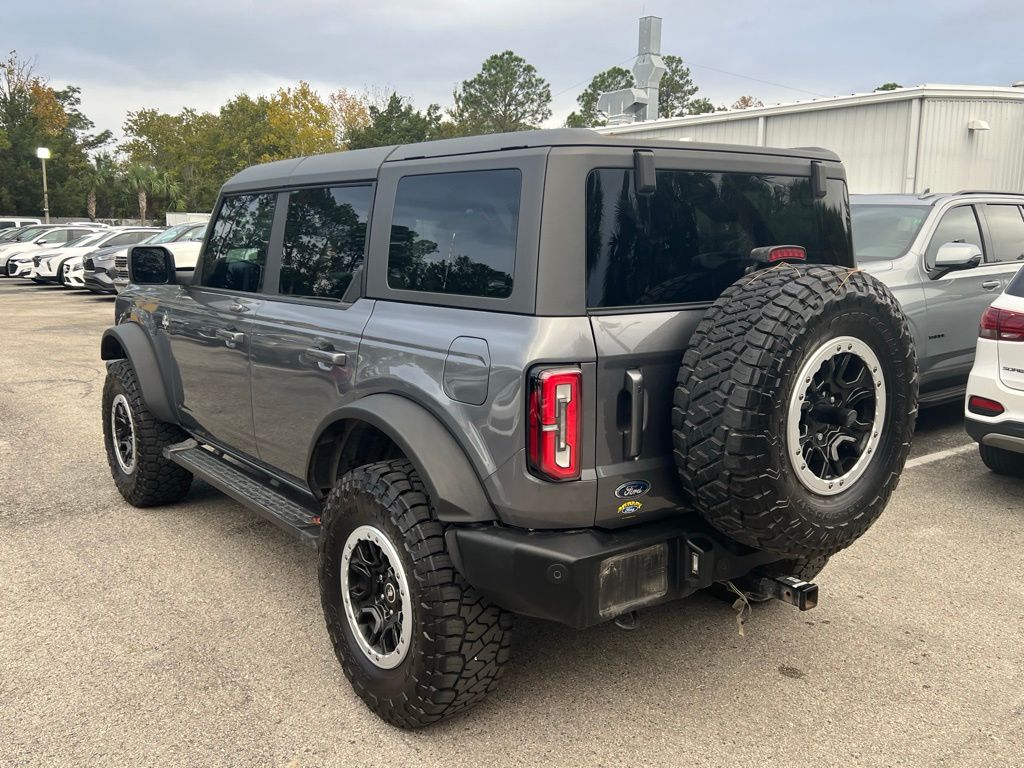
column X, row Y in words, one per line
column 455, row 233
column 691, row 239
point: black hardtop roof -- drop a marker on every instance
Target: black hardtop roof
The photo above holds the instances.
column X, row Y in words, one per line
column 363, row 164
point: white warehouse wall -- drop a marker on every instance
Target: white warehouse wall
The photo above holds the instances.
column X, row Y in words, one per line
column 950, row 157
column 871, row 139
column 890, row 142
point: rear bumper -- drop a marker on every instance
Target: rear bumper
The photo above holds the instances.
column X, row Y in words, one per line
column 557, row 575
column 1008, row 435
column 1005, row 431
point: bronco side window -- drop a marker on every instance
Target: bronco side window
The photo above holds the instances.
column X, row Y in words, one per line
column 236, row 253
column 455, row 233
column 324, row 240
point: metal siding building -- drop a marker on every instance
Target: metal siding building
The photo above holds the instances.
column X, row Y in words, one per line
column 907, row 140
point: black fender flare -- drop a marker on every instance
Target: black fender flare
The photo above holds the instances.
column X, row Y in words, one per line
column 453, row 485
column 129, row 340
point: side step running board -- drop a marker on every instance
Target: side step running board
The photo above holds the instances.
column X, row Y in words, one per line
column 245, row 488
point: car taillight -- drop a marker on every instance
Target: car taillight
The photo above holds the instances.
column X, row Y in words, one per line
column 554, row 439
column 1002, row 325
column 983, row 406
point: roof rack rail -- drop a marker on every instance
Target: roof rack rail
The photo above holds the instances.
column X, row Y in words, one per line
column 985, row 192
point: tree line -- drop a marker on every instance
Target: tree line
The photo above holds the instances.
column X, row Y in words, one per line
column 179, row 161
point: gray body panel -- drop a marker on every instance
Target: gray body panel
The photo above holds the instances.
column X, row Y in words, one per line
column 213, row 370
column 292, row 392
column 446, row 377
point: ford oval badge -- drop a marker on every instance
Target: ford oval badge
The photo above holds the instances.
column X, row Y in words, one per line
column 632, row 489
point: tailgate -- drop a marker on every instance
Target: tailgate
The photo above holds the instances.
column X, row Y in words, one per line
column 638, row 356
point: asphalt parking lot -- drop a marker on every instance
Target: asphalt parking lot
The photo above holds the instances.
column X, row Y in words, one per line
column 192, row 634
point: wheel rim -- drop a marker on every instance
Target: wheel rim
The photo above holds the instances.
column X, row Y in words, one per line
column 835, row 415
column 122, row 428
column 376, row 596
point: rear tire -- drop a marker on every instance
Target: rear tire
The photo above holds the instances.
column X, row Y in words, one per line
column 445, row 650
column 1002, row 462
column 135, row 441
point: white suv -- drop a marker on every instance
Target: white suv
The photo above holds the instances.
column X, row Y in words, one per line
column 995, row 391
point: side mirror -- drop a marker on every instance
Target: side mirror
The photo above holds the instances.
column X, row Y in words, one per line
column 150, row 265
column 953, row 256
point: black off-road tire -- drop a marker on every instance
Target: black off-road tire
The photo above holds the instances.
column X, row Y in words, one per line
column 732, row 398
column 1002, row 462
column 153, row 480
column 459, row 643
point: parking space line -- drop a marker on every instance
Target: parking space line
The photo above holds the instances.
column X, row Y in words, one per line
column 928, row 458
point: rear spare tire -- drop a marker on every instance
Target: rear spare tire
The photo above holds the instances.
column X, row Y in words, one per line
column 794, row 408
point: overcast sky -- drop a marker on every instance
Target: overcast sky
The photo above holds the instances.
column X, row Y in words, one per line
column 175, row 53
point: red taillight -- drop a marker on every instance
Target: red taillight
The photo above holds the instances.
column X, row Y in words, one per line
column 983, row 406
column 1002, row 325
column 554, row 449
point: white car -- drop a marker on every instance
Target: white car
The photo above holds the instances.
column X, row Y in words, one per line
column 995, row 390
column 12, row 222
column 41, row 238
column 41, row 265
column 74, row 272
column 50, row 266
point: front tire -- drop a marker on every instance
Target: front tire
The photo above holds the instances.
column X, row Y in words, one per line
column 1002, row 462
column 417, row 643
column 135, row 441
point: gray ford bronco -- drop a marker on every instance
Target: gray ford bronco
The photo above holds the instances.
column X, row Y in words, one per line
column 547, row 373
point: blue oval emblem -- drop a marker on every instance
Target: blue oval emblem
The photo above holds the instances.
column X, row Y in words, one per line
column 632, row 489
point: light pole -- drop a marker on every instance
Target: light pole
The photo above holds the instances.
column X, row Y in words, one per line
column 43, row 154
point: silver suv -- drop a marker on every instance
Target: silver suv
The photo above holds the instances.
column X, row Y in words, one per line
column 945, row 257
column 549, row 373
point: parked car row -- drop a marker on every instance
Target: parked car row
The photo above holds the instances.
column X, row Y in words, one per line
column 88, row 255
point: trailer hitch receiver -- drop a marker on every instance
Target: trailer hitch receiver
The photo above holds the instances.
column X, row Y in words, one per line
column 788, row 589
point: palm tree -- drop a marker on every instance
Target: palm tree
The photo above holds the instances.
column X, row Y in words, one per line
column 97, row 176
column 166, row 187
column 141, row 179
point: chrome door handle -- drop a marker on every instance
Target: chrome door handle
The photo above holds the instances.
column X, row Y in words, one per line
column 231, row 338
column 328, row 357
column 634, row 436
column 239, row 307
column 990, row 285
